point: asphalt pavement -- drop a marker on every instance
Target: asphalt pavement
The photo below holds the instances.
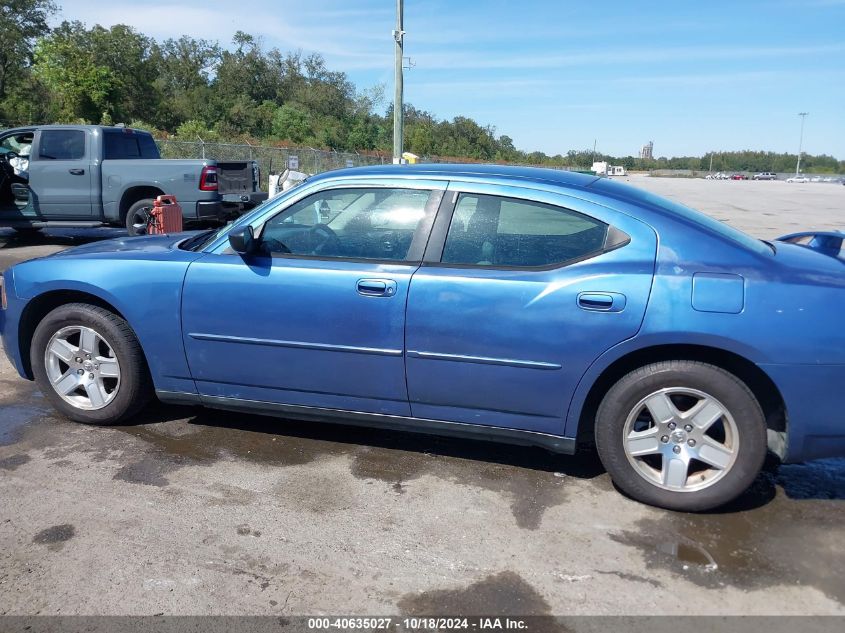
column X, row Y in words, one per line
column 191, row 511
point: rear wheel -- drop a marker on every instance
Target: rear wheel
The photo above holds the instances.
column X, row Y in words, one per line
column 681, row 435
column 138, row 215
column 89, row 364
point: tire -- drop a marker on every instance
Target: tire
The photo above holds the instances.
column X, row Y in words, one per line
column 112, row 384
column 700, row 463
column 137, row 214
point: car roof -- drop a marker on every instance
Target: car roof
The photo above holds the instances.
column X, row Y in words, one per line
column 558, row 177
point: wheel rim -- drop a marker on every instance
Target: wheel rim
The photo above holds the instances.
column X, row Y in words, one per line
column 681, row 439
column 140, row 218
column 82, row 367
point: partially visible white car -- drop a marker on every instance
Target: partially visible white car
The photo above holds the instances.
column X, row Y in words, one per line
column 797, row 179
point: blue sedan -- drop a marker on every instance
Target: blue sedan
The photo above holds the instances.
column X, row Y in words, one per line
column 512, row 304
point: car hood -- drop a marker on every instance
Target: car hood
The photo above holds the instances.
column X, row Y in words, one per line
column 152, row 245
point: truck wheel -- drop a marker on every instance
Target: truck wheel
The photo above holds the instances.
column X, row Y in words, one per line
column 681, row 435
column 89, row 364
column 137, row 216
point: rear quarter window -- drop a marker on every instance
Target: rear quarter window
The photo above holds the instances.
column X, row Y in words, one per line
column 120, row 145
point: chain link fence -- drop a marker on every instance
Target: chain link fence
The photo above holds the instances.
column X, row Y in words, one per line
column 274, row 160
column 270, row 159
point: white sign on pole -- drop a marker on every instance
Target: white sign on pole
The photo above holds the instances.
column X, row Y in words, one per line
column 349, row 163
column 293, row 162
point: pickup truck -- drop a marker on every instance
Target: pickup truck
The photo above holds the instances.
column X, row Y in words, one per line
column 766, row 175
column 92, row 175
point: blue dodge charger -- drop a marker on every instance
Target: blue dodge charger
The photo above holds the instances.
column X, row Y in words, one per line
column 519, row 305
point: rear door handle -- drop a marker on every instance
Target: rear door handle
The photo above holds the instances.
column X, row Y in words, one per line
column 376, row 287
column 77, row 172
column 602, row 301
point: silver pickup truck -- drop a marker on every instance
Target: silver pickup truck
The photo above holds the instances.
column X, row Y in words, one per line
column 91, row 175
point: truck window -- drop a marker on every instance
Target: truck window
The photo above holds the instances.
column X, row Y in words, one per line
column 62, row 145
column 122, row 145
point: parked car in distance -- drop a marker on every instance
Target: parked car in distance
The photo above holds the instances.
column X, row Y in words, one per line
column 797, row 179
column 93, row 175
column 515, row 304
column 766, row 175
column 739, row 177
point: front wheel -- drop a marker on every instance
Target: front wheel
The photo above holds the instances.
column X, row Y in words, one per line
column 89, row 364
column 681, row 435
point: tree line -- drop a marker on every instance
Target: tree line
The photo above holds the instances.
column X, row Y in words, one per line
column 190, row 89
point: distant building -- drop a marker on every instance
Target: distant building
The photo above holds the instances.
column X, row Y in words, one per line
column 647, row 151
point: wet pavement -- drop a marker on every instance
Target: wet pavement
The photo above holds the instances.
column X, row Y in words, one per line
column 192, row 511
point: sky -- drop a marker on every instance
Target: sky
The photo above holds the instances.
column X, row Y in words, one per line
column 693, row 77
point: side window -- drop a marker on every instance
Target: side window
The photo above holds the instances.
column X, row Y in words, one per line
column 128, row 144
column 18, row 143
column 496, row 231
column 148, row 146
column 120, row 146
column 62, row 145
column 361, row 223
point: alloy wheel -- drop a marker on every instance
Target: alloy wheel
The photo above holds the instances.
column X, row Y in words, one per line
column 82, row 367
column 681, row 439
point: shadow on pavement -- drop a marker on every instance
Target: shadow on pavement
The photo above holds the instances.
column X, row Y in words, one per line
column 244, row 433
column 57, row 237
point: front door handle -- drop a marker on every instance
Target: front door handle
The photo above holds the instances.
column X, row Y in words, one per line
column 77, row 172
column 602, row 301
column 376, row 287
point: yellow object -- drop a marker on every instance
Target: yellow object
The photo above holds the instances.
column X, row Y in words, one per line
column 410, row 158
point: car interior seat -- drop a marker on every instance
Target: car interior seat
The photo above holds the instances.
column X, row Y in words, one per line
column 482, row 230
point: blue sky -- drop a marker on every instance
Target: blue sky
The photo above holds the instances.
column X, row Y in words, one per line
column 555, row 75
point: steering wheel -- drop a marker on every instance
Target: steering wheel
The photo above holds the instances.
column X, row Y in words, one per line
column 328, row 239
column 5, row 157
column 269, row 245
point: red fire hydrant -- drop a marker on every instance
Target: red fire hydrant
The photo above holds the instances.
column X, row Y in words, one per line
column 165, row 217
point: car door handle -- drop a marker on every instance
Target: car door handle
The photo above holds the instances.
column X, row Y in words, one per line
column 376, row 287
column 602, row 301
column 77, row 172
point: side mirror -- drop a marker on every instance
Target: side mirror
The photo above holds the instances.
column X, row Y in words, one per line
column 242, row 240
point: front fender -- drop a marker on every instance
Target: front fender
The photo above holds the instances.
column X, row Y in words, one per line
column 151, row 308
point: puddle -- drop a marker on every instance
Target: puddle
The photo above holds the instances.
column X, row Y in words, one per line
column 529, row 478
column 757, row 542
column 14, row 420
column 498, row 595
column 55, row 536
column 150, row 470
column 12, row 462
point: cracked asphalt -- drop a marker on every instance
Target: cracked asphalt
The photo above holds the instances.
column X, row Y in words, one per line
column 192, row 511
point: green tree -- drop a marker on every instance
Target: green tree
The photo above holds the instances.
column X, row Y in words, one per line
column 66, row 64
column 292, row 123
column 96, row 71
column 21, row 22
